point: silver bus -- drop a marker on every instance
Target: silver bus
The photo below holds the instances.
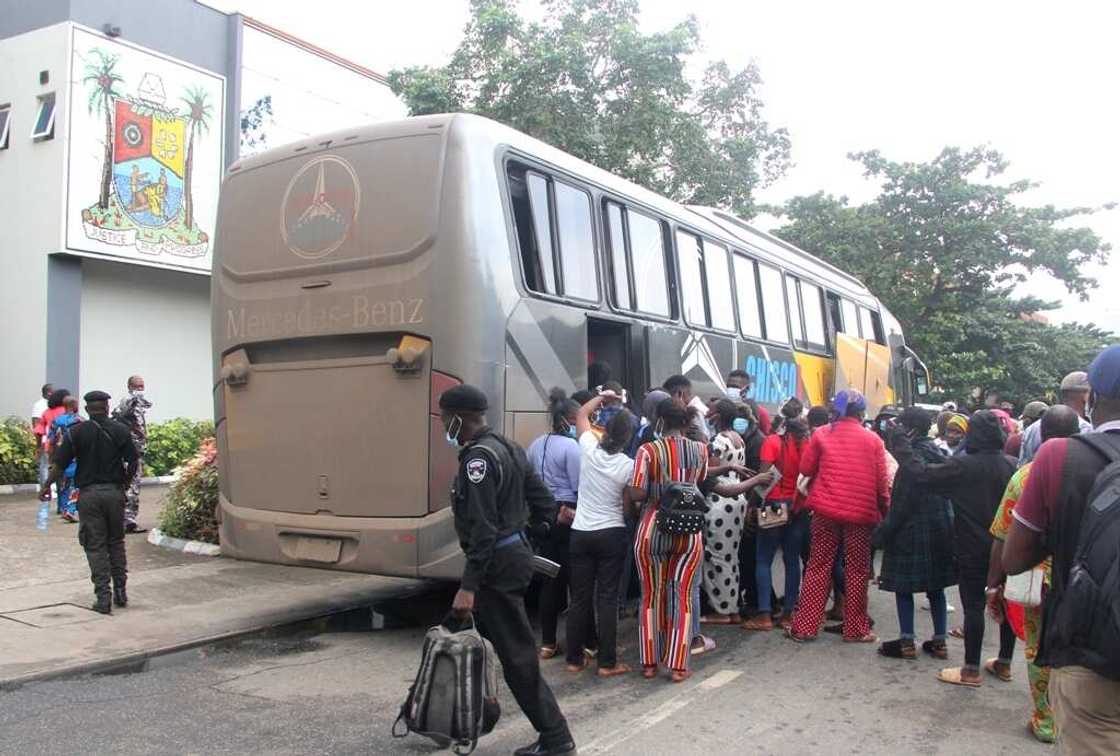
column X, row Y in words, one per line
column 359, row 274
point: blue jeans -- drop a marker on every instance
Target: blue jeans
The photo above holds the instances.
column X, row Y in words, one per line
column 904, row 603
column 790, row 537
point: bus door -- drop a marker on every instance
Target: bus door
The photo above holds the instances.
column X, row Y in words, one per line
column 616, row 351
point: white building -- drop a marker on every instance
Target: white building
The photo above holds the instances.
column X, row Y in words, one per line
column 117, row 122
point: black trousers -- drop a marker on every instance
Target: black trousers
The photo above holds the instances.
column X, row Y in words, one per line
column 101, row 534
column 974, row 603
column 554, row 591
column 597, row 558
column 500, row 607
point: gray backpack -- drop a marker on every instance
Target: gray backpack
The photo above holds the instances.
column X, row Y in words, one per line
column 454, row 699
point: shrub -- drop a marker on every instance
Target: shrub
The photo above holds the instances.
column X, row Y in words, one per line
column 17, row 452
column 192, row 502
column 172, row 443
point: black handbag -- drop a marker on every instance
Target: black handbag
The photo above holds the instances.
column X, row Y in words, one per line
column 681, row 510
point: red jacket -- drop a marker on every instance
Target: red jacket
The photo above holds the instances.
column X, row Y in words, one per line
column 847, row 463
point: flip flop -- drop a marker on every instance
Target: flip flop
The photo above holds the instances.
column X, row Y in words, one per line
column 761, row 622
column 719, row 619
column 649, row 672
column 991, row 669
column 679, row 676
column 799, row 638
column 575, row 669
column 952, row 675
column 547, row 652
column 868, row 638
column 957, row 632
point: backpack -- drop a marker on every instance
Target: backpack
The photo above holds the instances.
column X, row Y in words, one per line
column 1087, row 611
column 454, row 699
column 681, row 510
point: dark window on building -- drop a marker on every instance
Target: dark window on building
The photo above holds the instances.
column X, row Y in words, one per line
column 44, row 119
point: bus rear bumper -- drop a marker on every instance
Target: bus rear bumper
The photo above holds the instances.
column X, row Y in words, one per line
column 415, row 547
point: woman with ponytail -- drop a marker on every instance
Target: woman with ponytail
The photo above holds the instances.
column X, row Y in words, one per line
column 556, row 457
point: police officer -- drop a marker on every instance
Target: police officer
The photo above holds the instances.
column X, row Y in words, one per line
column 107, row 460
column 496, row 498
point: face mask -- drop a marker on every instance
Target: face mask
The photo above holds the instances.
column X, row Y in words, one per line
column 734, row 394
column 452, row 436
column 740, row 425
column 572, row 431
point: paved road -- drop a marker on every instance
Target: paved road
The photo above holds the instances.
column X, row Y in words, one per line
column 337, row 693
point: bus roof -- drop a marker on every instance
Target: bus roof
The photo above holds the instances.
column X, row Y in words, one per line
column 491, row 135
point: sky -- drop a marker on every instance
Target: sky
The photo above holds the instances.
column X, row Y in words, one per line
column 1034, row 80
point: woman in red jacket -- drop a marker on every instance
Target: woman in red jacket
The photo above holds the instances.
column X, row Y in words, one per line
column 848, row 498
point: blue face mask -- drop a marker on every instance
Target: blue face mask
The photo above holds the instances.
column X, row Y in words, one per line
column 452, row 436
column 740, row 425
column 734, row 394
column 572, row 431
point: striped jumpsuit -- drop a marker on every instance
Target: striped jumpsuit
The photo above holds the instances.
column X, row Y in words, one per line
column 669, row 566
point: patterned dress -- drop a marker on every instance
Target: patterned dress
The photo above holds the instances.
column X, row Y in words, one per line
column 668, row 565
column 724, row 530
column 132, row 411
column 1042, row 717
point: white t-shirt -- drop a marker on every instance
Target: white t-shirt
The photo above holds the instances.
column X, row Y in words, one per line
column 602, row 478
column 39, row 408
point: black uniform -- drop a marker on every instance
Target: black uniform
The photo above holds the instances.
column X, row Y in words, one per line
column 496, row 496
column 106, row 460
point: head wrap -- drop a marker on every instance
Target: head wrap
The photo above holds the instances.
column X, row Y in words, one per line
column 849, row 399
column 960, row 422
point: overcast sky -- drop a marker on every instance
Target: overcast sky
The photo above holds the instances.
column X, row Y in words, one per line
column 1037, row 81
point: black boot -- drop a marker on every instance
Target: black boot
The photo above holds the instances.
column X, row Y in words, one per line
column 103, row 605
column 120, row 598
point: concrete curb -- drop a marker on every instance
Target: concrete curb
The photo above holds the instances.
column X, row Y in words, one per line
column 201, row 548
column 12, row 489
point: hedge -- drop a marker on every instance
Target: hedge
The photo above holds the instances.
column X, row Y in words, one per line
column 170, row 445
column 17, row 452
column 192, row 502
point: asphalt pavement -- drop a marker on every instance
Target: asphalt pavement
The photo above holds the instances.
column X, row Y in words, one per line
column 338, row 693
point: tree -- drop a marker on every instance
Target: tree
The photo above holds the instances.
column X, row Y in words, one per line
column 199, row 113
column 943, row 246
column 586, row 80
column 253, row 122
column 102, row 74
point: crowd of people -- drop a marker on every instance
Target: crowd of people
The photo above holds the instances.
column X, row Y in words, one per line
column 683, row 505
column 53, row 418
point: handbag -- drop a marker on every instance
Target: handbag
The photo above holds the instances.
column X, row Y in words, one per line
column 1025, row 588
column 681, row 510
column 772, row 514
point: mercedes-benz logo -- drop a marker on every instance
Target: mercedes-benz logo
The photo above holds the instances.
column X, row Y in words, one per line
column 319, row 207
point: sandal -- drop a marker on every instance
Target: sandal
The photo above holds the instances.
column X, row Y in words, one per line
column 649, row 671
column 708, row 644
column 957, row 632
column 680, row 675
column 717, row 619
column 547, row 652
column 786, row 622
column 952, row 675
column 936, row 648
column 575, row 669
column 868, row 638
column 615, row 671
column 761, row 622
column 898, row 649
column 799, row 638
column 997, row 669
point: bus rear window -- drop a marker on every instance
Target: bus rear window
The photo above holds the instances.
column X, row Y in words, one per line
column 367, row 200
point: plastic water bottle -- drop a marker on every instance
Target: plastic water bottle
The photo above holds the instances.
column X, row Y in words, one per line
column 44, row 515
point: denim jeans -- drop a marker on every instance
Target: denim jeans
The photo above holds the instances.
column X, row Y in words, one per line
column 790, row 537
column 938, row 609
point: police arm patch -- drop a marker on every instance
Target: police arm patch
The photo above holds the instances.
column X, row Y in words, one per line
column 476, row 470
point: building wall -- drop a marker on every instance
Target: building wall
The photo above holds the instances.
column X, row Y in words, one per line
column 152, row 322
column 32, row 179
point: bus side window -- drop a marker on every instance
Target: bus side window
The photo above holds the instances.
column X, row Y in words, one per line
column 690, row 256
column 620, row 275
column 577, row 242
column 647, row 256
column 851, row 319
column 720, row 305
column 774, row 303
column 812, row 303
column 794, row 297
column 746, row 292
column 872, row 325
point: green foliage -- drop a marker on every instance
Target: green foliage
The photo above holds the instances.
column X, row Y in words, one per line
column 943, row 246
column 190, row 510
column 586, row 80
column 172, row 443
column 17, row 452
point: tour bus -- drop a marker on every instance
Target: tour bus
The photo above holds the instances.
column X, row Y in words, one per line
column 360, row 274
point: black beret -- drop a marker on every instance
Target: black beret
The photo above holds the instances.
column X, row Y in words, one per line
column 97, row 396
column 465, row 398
